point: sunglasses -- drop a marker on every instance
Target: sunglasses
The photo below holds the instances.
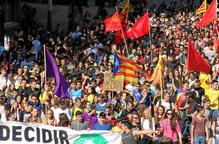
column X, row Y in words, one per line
column 169, row 113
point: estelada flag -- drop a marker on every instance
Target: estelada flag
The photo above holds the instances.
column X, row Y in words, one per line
column 125, row 68
column 195, row 62
column 202, row 8
column 113, row 23
column 216, row 46
column 209, row 15
column 140, row 28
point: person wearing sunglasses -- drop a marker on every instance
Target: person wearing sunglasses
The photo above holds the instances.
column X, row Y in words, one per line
column 50, row 118
column 170, row 128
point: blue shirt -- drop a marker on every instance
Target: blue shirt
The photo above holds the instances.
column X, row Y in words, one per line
column 100, row 108
column 98, row 126
column 76, row 35
column 137, row 95
column 37, row 46
column 75, row 93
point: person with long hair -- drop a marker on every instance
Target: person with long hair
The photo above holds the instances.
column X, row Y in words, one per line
column 147, row 124
column 50, row 118
column 159, row 116
column 64, row 121
column 34, row 118
column 199, row 129
column 170, row 127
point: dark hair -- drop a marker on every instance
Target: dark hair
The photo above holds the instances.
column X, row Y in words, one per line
column 127, row 124
column 102, row 114
column 200, row 108
column 173, row 119
column 214, row 81
column 78, row 113
column 63, row 120
column 77, row 99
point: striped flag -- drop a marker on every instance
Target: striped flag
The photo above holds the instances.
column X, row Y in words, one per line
column 209, row 16
column 202, row 8
column 158, row 74
column 125, row 68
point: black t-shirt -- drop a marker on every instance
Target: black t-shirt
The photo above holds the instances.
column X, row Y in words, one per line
column 173, row 64
column 199, row 92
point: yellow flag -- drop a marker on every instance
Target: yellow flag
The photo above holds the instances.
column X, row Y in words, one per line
column 158, row 74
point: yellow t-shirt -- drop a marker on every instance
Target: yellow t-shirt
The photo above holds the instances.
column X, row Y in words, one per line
column 116, row 129
column 212, row 95
column 74, row 113
column 90, row 98
column 205, row 80
column 44, row 96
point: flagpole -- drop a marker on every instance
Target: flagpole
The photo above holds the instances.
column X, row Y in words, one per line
column 151, row 55
column 45, row 76
column 126, row 47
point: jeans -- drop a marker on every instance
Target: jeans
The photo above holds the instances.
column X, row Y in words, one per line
column 215, row 114
column 199, row 139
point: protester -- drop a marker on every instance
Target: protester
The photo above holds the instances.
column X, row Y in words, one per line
column 145, row 111
column 170, row 127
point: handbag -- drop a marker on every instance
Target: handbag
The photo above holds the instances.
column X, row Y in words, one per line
column 165, row 140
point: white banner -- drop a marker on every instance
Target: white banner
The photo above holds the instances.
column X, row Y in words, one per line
column 29, row 133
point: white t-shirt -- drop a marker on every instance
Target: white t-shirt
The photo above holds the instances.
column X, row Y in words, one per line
column 165, row 104
column 2, row 113
column 59, row 111
column 145, row 124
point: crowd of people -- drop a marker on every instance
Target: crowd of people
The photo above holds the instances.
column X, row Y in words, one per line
column 83, row 56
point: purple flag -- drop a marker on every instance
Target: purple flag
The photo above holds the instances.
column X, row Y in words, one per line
column 61, row 86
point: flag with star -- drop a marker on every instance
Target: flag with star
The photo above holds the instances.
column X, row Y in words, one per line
column 125, row 68
column 117, row 64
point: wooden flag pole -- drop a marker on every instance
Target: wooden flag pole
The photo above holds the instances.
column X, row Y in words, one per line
column 126, row 47
column 123, row 35
column 151, row 56
column 45, row 76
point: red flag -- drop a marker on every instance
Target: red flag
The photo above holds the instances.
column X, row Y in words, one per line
column 140, row 28
column 209, row 15
column 113, row 23
column 216, row 46
column 195, row 62
column 124, row 19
